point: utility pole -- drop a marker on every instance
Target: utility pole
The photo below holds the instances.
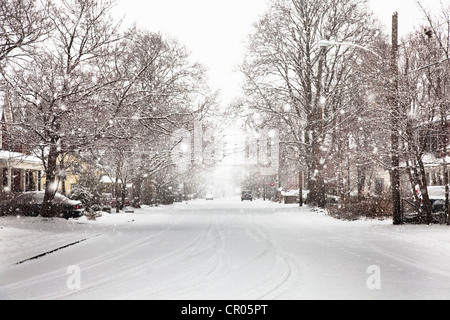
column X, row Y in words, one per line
column 300, row 188
column 395, row 118
column 264, row 189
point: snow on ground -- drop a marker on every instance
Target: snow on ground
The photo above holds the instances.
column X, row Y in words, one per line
column 223, row 249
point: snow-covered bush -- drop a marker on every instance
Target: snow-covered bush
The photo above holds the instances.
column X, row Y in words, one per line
column 93, row 215
column 89, row 189
column 370, row 208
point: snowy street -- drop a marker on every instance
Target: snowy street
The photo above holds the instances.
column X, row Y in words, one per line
column 222, row 249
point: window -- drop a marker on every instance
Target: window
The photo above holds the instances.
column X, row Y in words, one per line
column 76, row 168
column 5, row 177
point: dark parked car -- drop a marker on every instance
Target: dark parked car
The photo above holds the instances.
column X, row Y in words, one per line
column 437, row 198
column 438, row 205
column 30, row 204
column 247, row 195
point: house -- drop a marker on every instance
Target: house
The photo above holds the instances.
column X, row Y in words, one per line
column 435, row 158
column 19, row 171
column 437, row 155
column 430, row 139
column 110, row 187
column 70, row 169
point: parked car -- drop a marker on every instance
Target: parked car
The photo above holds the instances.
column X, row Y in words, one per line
column 101, row 208
column 437, row 201
column 438, row 206
column 209, row 196
column 109, row 200
column 30, row 204
column 247, row 195
column 437, row 198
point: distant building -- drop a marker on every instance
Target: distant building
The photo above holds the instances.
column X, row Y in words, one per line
column 435, row 158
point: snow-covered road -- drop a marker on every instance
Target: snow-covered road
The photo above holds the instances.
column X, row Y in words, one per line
column 222, row 249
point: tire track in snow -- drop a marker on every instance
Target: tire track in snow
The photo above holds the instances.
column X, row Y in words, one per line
column 402, row 258
column 191, row 248
column 103, row 259
column 179, row 254
column 287, row 270
column 223, row 261
column 203, row 273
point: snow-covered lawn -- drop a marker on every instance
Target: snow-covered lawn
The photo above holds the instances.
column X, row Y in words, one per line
column 222, row 249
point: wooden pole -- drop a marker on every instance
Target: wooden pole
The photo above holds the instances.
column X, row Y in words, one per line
column 395, row 114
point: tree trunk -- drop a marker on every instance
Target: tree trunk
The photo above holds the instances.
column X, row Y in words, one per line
column 51, row 183
column 116, row 184
column 414, row 183
column 425, row 196
column 137, row 190
column 349, row 176
column 361, row 172
column 316, row 183
column 341, row 185
column 124, row 192
column 447, row 200
column 116, row 195
column 444, row 134
column 444, row 138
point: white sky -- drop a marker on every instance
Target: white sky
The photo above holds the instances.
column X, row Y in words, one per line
column 214, row 30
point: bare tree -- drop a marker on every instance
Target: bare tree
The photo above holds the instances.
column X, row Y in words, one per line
column 160, row 91
column 62, row 87
column 286, row 69
column 439, row 30
column 22, row 24
column 425, row 110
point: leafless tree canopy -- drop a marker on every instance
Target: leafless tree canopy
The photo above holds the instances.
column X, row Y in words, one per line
column 22, row 23
column 322, row 72
column 307, row 87
column 91, row 88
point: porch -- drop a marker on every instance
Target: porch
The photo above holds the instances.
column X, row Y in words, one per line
column 20, row 172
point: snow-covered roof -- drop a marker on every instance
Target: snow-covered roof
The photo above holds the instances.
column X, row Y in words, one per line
column 107, row 179
column 431, row 160
column 436, row 120
column 436, row 192
column 290, row 193
column 293, row 193
column 17, row 159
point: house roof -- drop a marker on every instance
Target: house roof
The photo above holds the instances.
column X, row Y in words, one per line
column 20, row 160
column 106, row 179
column 431, row 160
